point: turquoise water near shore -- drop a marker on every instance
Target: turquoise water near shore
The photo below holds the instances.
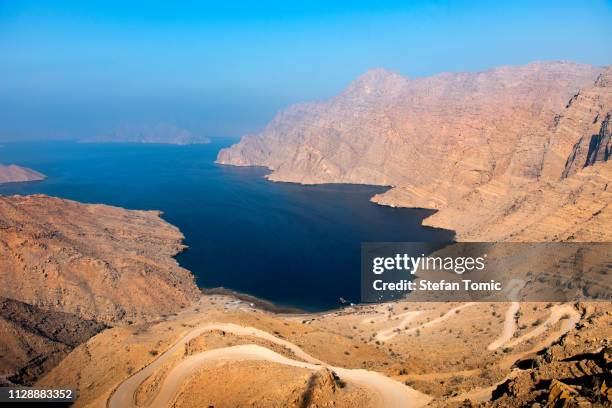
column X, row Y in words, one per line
column 291, row 244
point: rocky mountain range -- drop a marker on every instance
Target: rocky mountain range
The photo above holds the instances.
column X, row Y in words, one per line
column 159, row 133
column 502, row 154
column 93, row 298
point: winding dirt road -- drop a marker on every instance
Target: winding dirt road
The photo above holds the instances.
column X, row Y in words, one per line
column 391, row 332
column 385, row 391
column 556, row 313
column 507, row 333
column 452, row 312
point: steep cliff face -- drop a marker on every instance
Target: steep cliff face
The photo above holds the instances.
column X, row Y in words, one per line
column 590, row 150
column 453, row 142
column 13, row 174
column 578, row 134
column 446, row 133
column 571, row 198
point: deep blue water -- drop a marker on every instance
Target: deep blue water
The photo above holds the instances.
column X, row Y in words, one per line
column 291, row 244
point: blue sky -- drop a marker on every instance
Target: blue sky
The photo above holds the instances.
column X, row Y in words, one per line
column 78, row 68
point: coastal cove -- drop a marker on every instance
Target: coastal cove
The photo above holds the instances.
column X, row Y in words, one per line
column 291, row 244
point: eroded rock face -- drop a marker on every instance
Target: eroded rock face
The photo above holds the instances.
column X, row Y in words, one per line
column 480, row 147
column 13, row 173
column 387, row 129
column 581, row 133
column 569, row 201
column 95, row 261
column 590, row 150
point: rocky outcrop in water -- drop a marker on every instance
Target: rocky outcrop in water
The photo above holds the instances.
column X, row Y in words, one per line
column 13, row 174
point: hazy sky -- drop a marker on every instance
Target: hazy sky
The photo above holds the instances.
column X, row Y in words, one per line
column 79, row 68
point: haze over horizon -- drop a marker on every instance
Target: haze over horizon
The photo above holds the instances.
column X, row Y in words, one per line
column 77, row 69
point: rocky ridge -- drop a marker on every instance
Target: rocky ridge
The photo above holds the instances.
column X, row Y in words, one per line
column 92, row 260
column 479, row 147
column 73, row 269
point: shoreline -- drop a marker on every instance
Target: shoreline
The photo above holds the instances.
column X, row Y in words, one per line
column 386, row 187
column 264, row 304
column 272, row 307
column 256, row 302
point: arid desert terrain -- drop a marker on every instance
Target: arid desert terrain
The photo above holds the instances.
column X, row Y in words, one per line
column 94, row 299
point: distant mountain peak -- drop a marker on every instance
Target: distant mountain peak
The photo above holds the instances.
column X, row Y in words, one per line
column 376, row 80
column 379, row 74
